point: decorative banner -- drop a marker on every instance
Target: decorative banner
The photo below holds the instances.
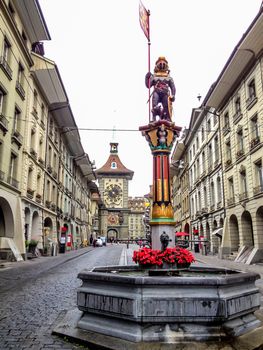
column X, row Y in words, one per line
column 144, row 20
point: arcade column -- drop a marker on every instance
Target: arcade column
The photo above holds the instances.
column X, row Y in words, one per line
column 161, row 136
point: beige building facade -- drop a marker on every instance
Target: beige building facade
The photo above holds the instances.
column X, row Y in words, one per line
column 46, row 178
column 136, row 216
column 225, row 151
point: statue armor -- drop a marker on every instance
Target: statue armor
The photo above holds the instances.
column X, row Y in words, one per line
column 163, row 84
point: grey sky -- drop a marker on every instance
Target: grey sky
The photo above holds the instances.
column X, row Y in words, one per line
column 101, row 53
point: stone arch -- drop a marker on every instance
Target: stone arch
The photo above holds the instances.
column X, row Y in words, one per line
column 7, row 228
column 48, row 231
column 27, row 223
column 216, row 241
column 186, row 228
column 35, row 233
column 259, row 226
column 234, row 233
column 112, row 233
column 247, row 229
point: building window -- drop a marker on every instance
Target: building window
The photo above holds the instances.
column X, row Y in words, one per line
column 209, row 125
column 226, row 123
column 210, row 156
column 203, row 134
column 259, row 174
column 240, row 143
column 197, row 168
column 254, row 126
column 113, row 165
column 219, row 191
column 203, row 161
column 212, row 193
column 237, row 105
column 215, row 119
column 228, row 153
column 17, row 120
column 197, row 143
column 11, row 9
column 2, row 101
column 13, row 170
column 243, row 184
column 216, row 149
column 205, row 196
column 20, row 81
column 6, row 58
column 231, row 187
column 252, row 90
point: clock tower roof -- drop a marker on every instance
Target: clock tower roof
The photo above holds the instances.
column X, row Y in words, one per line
column 113, row 165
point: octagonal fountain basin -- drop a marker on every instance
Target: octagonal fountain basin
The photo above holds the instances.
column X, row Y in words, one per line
column 194, row 304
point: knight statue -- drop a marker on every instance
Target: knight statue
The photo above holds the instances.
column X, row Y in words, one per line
column 164, row 90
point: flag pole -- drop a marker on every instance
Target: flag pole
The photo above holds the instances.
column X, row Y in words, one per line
column 149, row 66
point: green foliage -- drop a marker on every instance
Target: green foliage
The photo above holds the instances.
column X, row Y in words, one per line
column 33, row 242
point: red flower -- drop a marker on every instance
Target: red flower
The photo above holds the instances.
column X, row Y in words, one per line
column 147, row 256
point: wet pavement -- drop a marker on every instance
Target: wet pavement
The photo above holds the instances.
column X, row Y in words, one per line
column 36, row 293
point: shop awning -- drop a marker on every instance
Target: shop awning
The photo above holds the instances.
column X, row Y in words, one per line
column 181, row 234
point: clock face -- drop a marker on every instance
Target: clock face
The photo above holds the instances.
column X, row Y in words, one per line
column 113, row 193
column 113, row 219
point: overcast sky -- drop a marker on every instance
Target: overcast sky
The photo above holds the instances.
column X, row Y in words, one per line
column 102, row 56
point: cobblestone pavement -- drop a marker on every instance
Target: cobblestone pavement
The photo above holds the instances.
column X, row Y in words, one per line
column 35, row 295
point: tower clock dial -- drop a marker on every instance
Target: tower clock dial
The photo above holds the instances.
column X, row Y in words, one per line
column 113, row 193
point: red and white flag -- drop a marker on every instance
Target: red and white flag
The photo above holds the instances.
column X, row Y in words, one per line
column 144, row 20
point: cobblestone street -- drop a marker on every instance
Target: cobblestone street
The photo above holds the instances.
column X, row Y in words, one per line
column 31, row 302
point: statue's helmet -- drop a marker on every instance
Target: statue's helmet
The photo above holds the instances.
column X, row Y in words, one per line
column 161, row 65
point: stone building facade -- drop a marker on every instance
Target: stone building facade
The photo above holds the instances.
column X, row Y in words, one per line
column 45, row 175
column 224, row 147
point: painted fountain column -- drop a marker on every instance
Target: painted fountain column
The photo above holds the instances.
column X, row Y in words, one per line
column 160, row 136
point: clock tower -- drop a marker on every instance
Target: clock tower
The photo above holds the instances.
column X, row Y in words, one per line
column 113, row 179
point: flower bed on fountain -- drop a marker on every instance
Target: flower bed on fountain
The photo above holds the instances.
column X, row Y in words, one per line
column 169, row 258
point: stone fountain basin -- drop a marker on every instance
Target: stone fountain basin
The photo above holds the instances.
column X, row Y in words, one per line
column 199, row 304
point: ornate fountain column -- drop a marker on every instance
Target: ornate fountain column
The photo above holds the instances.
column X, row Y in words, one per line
column 160, row 136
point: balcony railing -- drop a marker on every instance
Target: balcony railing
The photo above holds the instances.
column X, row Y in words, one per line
column 219, row 205
column 243, row 196
column 204, row 210
column 13, row 182
column 255, row 141
column 258, row 189
column 212, row 207
column 3, row 123
column 2, row 176
column 49, row 169
column 5, row 67
column 228, row 162
column 17, row 138
column 20, row 90
column 226, row 129
column 34, row 112
column 237, row 117
column 53, row 206
column 38, row 198
column 251, row 101
column 30, row 193
column 231, row 201
column 240, row 153
column 33, row 153
column 41, row 161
